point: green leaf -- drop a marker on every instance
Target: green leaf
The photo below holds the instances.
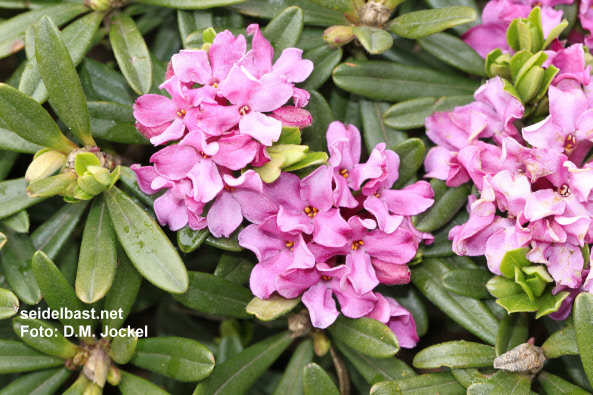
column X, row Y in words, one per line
column 457, row 354
column 56, row 344
column 13, row 30
column 375, row 370
column 77, row 36
column 29, row 120
column 561, row 343
column 9, row 304
column 411, row 156
column 365, row 335
column 316, row 381
column 133, row 385
column 131, row 53
column 11, row 141
column 99, row 82
column 56, row 291
column 188, row 239
column 114, row 122
column 393, row 82
column 228, row 244
column 467, row 377
column 191, row 4
column 128, row 178
column 43, row 382
column 146, row 244
column 211, row 294
column 123, row 347
column 50, row 186
column 314, row 135
column 428, row 384
column 447, row 202
column 234, row 269
column 512, row 384
column 291, row 382
column 98, row 254
column 555, row 385
column 61, row 80
column 16, row 356
column 514, row 259
column 175, row 357
column 51, row 236
column 240, row 372
column 16, row 266
column 512, row 332
column 123, row 291
column 583, row 324
column 453, row 51
column 555, row 32
column 501, row 287
column 311, row 159
column 375, row 130
column 270, row 309
column 411, row 114
column 18, row 222
column 79, row 386
column 313, row 14
column 325, row 59
column 284, row 31
column 447, row 3
column 468, row 282
column 470, row 313
column 373, row 39
column 424, row 23
column 336, row 5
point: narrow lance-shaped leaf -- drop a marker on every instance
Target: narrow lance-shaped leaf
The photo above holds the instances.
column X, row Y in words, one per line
column 374, row 129
column 468, row 282
column 555, row 385
column 29, row 120
column 272, row 308
column 512, row 332
column 583, row 324
column 411, row 156
column 61, row 80
column 285, row 30
column 54, row 344
column 456, row 354
column 447, row 202
column 453, row 51
column 317, row 381
column 9, row 304
column 16, row 356
column 365, row 335
column 131, row 53
column 291, row 382
column 325, row 59
column 19, row 222
column 373, row 39
column 561, row 343
column 430, row 383
column 145, row 243
column 191, row 4
column 123, row 347
column 132, row 385
column 424, row 23
column 43, row 382
column 98, row 254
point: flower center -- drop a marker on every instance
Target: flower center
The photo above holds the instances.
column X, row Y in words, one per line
column 326, row 278
column 181, row 113
column 311, row 211
column 564, row 190
column 290, row 244
column 244, row 110
column 356, row 244
column 215, row 85
column 203, row 155
column 344, row 173
column 377, row 194
column 537, row 4
column 229, row 188
column 570, row 144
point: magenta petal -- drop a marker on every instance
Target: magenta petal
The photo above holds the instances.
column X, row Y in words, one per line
column 300, row 97
column 543, row 203
column 362, row 275
column 224, row 215
column 403, row 325
column 225, row 51
column 497, row 246
column 353, row 304
column 436, row 163
column 293, row 223
column 145, row 175
column 175, row 131
column 263, row 244
column 391, row 273
column 387, row 223
column 154, row 110
column 206, row 179
column 239, row 86
column 171, row 211
column 294, row 283
column 284, row 190
column 261, row 51
column 174, row 161
column 350, row 145
column 254, row 205
column 398, row 247
column 192, row 66
column 381, row 312
column 236, row 151
column 321, row 305
column 293, row 117
column 263, row 276
column 272, row 94
column 566, row 264
column 264, row 129
column 292, row 65
column 316, row 188
column 330, row 229
column 412, row 200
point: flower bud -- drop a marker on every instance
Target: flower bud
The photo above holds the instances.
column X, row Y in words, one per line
column 45, row 165
column 321, row 343
column 98, row 5
column 374, row 14
column 113, row 376
column 338, row 35
column 293, row 117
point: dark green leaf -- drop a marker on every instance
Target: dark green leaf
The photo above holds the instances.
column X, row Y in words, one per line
column 230, row 345
column 512, row 332
column 114, row 122
column 211, row 294
column 375, row 130
column 448, row 3
column 104, row 84
column 583, row 324
column 470, row 313
column 314, row 15
column 133, row 385
column 375, row 370
column 284, row 31
column 98, row 254
column 292, row 379
column 453, row 51
column 190, row 21
column 188, row 239
column 393, row 82
column 513, row 384
column 13, row 30
column 228, row 244
column 56, row 231
column 314, row 135
column 18, row 222
column 428, row 384
column 56, row 344
column 11, row 141
column 468, row 282
column 128, row 178
column 270, row 309
column 9, row 304
column 424, row 23
column 365, row 335
column 61, row 80
column 447, row 202
column 317, row 382
column 191, row 4
column 234, row 269
column 146, row 245
column 16, row 266
column 411, row 156
column 561, row 343
column 411, row 114
column 30, row 121
column 44, row 382
column 555, row 385
column 457, row 354
column 237, row 374
column 325, row 59
column 131, row 53
column 16, row 356
column 123, row 347
column 7, row 159
column 467, row 377
column 373, row 39
column 123, row 291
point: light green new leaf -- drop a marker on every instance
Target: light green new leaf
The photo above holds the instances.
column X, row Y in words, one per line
column 420, row 24
column 272, row 308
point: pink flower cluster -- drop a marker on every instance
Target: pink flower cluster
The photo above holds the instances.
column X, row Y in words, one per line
column 535, row 190
column 340, row 232
column 227, row 105
column 497, row 16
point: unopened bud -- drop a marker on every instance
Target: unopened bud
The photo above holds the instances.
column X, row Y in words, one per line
column 98, row 5
column 321, row 343
column 374, row 14
column 338, row 35
column 113, row 376
column 45, row 165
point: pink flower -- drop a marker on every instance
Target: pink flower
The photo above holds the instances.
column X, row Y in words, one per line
column 398, row 319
